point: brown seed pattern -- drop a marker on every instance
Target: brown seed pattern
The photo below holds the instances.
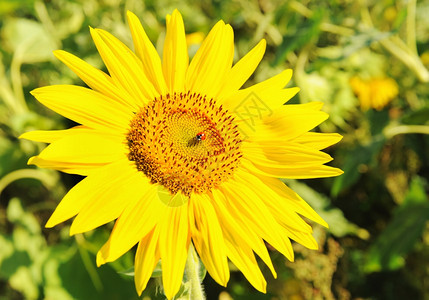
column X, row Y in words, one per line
column 165, row 143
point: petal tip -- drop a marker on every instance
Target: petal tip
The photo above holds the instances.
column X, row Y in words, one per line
column 176, row 14
column 73, row 229
column 274, row 274
column 131, row 17
column 263, row 44
column 60, row 54
column 31, row 160
column 35, row 92
column 325, row 224
column 288, row 71
column 92, row 31
column 139, row 290
column 100, row 259
column 57, row 52
column 22, row 136
column 339, row 172
column 337, row 138
column 50, row 223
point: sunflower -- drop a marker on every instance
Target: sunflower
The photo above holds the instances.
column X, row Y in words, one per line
column 181, row 156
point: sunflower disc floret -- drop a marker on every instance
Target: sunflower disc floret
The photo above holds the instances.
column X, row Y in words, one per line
column 185, row 143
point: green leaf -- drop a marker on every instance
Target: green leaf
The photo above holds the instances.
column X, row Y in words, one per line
column 338, row 224
column 28, row 39
column 360, row 155
column 17, row 215
column 6, row 251
column 417, row 117
column 157, row 272
column 403, row 232
column 10, row 6
column 378, row 120
column 300, row 38
column 10, row 158
column 22, row 267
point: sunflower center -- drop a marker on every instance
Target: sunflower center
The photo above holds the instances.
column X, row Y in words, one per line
column 185, row 143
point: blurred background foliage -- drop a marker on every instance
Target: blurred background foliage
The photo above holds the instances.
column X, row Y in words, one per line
column 367, row 60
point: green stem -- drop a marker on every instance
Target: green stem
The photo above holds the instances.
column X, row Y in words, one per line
column 406, row 129
column 411, row 26
column 395, row 46
column 88, row 263
column 15, row 74
column 192, row 269
column 44, row 18
column 6, row 92
column 408, row 56
column 45, row 178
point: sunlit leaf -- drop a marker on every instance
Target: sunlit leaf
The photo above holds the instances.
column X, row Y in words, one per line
column 28, row 39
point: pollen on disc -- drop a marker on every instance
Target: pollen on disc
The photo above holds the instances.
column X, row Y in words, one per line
column 185, row 143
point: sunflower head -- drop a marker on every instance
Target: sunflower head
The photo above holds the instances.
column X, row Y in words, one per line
column 179, row 154
column 184, row 142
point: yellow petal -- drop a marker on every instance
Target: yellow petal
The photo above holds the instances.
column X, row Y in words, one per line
column 278, row 81
column 147, row 53
column 251, row 107
column 77, row 197
column 241, row 71
column 212, row 61
column 293, row 199
column 124, row 67
column 96, row 79
column 280, row 208
column 147, row 256
column 284, row 208
column 287, row 122
column 302, row 172
column 134, row 223
column 248, row 208
column 78, row 153
column 244, row 259
column 317, row 140
column 175, row 56
column 104, row 205
column 50, row 136
column 84, row 106
column 304, row 238
column 238, row 229
column 268, row 95
column 174, row 244
column 314, row 105
column 83, row 169
column 208, row 238
column 286, row 154
column 84, row 147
